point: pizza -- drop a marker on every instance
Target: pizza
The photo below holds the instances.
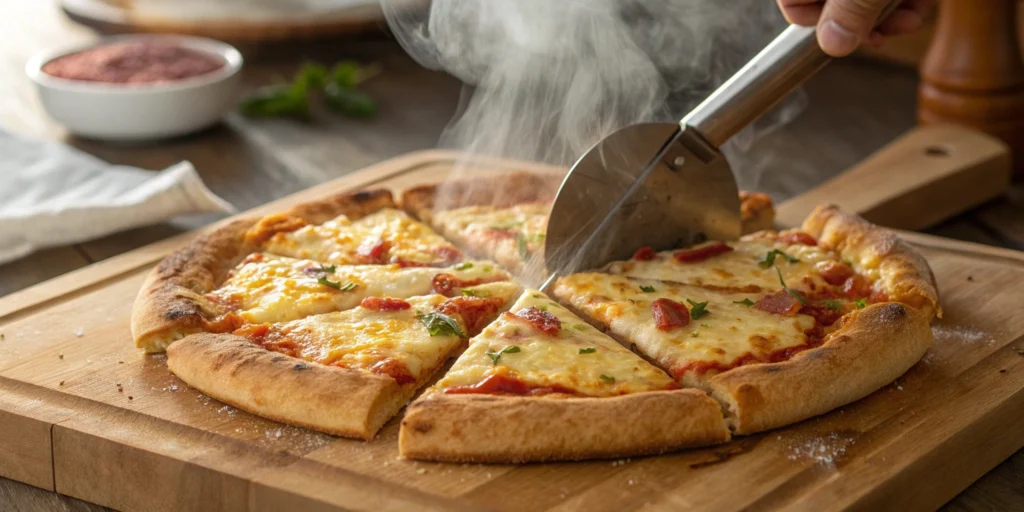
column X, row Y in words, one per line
column 339, row 313
column 540, row 384
column 505, row 218
column 778, row 327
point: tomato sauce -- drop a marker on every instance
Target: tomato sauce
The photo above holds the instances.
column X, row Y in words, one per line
column 136, row 62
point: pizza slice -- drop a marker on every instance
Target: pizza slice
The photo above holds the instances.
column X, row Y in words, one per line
column 385, row 236
column 268, row 288
column 505, row 218
column 346, row 372
column 541, row 384
column 775, row 353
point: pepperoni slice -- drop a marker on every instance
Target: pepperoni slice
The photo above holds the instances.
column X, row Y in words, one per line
column 833, row 272
column 476, row 312
column 702, row 253
column 384, row 304
column 669, row 314
column 395, row 369
column 779, row 303
column 645, row 253
column 502, row 233
column 446, row 284
column 541, row 320
column 373, row 250
column 857, row 286
column 822, row 314
column 448, row 254
column 797, row 237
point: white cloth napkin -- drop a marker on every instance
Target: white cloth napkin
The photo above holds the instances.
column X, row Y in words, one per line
column 52, row 194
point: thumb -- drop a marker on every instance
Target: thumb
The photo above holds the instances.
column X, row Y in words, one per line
column 845, row 24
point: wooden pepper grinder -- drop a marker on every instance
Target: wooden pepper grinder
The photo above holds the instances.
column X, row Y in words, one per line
column 973, row 73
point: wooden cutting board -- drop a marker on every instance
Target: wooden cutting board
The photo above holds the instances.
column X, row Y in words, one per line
column 84, row 413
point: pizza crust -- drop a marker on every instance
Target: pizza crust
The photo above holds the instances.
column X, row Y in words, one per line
column 902, row 270
column 170, row 304
column 339, row 401
column 874, row 347
column 515, row 429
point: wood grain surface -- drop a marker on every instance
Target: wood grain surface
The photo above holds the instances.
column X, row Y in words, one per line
column 70, row 374
column 854, row 108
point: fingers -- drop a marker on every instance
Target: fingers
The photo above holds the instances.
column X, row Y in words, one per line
column 801, row 12
column 908, row 18
column 845, row 24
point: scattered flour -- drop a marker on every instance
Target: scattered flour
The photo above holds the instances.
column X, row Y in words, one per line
column 960, row 334
column 823, row 450
column 79, row 332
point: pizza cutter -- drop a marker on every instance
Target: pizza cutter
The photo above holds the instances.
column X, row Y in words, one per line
column 667, row 185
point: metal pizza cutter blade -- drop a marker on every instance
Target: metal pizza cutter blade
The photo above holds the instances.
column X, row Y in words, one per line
column 667, row 185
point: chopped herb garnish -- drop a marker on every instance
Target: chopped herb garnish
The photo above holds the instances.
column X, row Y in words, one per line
column 487, row 268
column 327, row 282
column 795, row 294
column 699, row 309
column 769, row 259
column 327, row 270
column 848, row 263
column 695, row 333
column 537, row 296
column 607, row 378
column 590, row 350
column 495, row 356
column 580, row 327
column 861, row 303
column 705, row 325
column 468, row 292
column 832, row 304
column 542, row 307
column 463, row 266
column 440, row 324
column 348, row 286
column 647, row 289
column 745, row 302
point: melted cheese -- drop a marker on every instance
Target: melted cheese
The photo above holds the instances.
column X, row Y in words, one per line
column 266, row 288
column 475, row 225
column 547, row 360
column 729, row 332
column 338, row 240
column 361, row 338
column 737, row 269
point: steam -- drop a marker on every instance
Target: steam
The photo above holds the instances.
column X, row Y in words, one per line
column 548, row 78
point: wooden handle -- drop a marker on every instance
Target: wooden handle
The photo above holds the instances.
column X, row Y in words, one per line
column 927, row 175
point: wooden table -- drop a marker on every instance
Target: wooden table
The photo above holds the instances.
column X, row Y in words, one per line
column 854, row 108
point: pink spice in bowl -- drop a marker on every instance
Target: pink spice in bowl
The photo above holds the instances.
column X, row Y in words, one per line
column 138, row 87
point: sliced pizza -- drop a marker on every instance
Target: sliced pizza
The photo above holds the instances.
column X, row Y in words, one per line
column 344, row 373
column 385, row 236
column 773, row 352
column 510, row 230
column 268, row 288
column 541, row 384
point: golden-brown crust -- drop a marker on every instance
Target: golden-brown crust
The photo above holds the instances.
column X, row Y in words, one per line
column 338, row 401
column 495, row 428
column 756, row 211
column 872, row 348
column 903, row 272
column 170, row 304
column 500, row 191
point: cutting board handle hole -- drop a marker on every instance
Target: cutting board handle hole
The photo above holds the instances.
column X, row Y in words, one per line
column 936, row 151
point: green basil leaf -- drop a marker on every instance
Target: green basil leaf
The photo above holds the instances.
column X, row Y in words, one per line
column 698, row 309
column 440, row 324
column 275, row 101
column 590, row 350
column 607, row 378
column 647, row 289
column 861, row 303
column 349, row 101
column 795, row 294
column 832, row 304
column 745, row 302
column 495, row 356
column 327, row 282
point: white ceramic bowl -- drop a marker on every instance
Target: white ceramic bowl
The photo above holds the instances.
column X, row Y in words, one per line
column 111, row 111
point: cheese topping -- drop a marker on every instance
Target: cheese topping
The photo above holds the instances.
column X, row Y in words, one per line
column 342, row 241
column 267, row 288
column 731, row 332
column 518, row 228
column 735, row 270
column 362, row 339
column 579, row 358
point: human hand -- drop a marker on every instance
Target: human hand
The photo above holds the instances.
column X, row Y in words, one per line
column 843, row 25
